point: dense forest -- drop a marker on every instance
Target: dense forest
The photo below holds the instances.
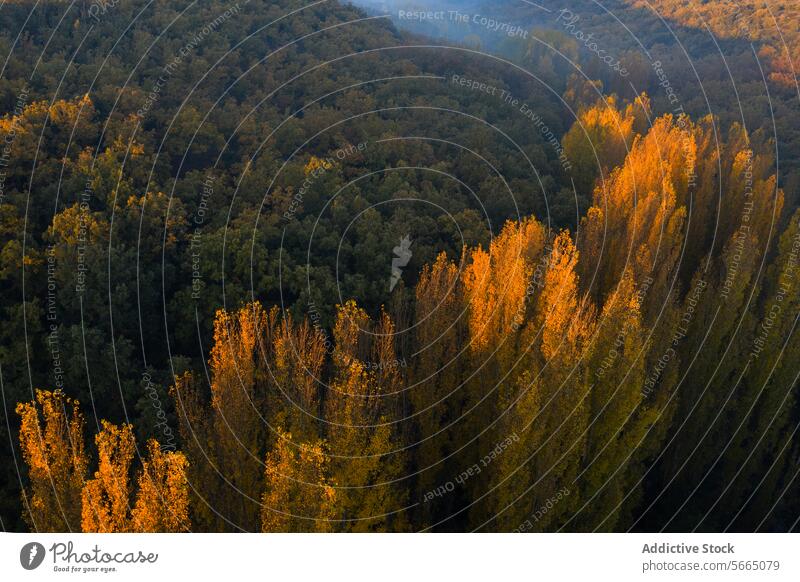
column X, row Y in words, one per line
column 274, row 266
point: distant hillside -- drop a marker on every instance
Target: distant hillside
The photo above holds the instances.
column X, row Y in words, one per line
column 688, row 56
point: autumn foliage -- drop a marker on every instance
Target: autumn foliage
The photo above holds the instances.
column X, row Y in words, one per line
column 545, row 367
column 61, row 498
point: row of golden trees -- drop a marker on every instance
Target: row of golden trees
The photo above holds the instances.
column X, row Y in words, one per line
column 62, row 496
column 549, row 375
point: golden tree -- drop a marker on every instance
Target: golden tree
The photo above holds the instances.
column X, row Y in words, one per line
column 299, row 357
column 600, row 138
column 51, row 440
column 162, row 502
column 618, row 419
column 361, row 439
column 106, row 498
column 498, row 286
column 298, row 495
column 638, row 213
column 549, row 410
column 238, row 428
column 162, row 499
column 225, row 438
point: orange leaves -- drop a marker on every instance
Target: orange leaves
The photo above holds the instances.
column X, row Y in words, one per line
column 638, row 215
column 660, row 165
column 667, row 152
column 162, row 500
column 598, row 141
column 65, row 112
column 53, row 448
column 106, row 497
column 353, row 399
column 162, row 504
column 437, row 299
column 237, row 343
column 316, row 164
column 298, row 493
column 366, row 446
column 59, row 498
column 351, row 323
column 496, row 283
column 480, row 293
column 299, row 353
column 28, row 119
column 44, row 448
column 267, row 374
column 238, row 430
column 558, row 302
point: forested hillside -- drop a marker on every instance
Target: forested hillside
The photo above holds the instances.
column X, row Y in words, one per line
column 730, row 57
column 268, row 266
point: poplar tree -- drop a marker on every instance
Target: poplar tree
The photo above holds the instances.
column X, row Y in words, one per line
column 362, row 440
column 618, row 420
column 549, row 414
column 435, row 386
column 297, row 374
column 162, row 499
column 106, row 497
column 497, row 287
column 299, row 495
column 52, row 445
